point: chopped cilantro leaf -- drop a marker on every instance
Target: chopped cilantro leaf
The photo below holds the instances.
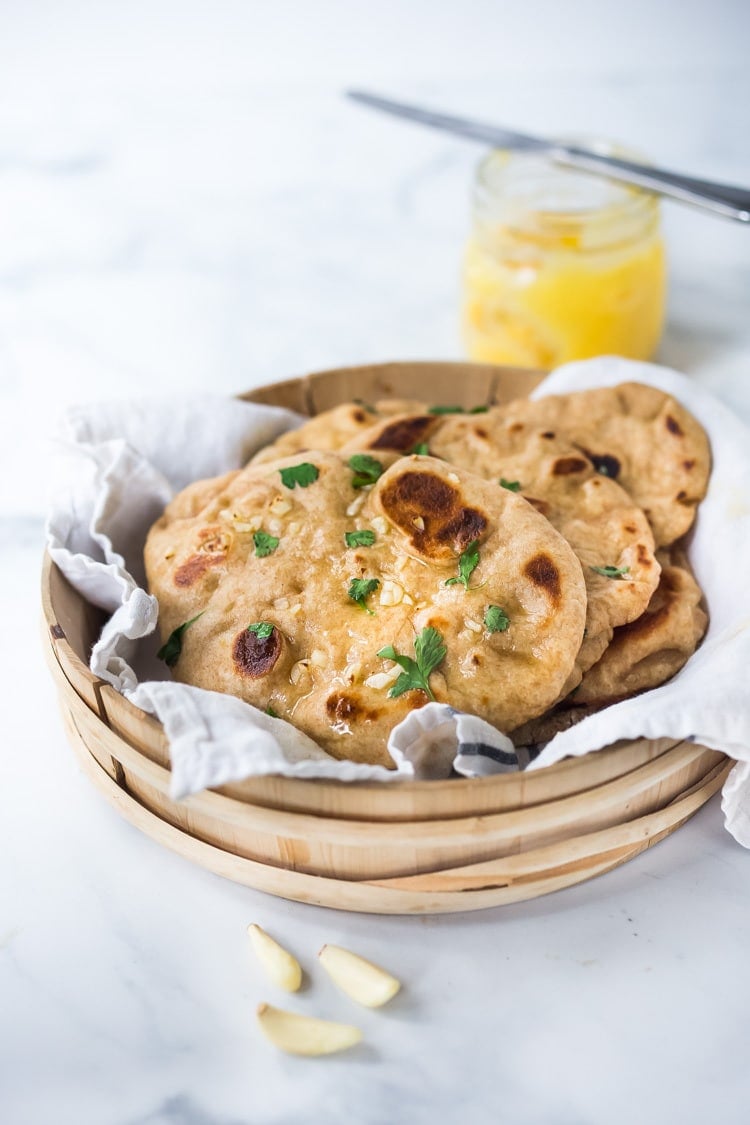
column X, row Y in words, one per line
column 496, row 619
column 366, row 469
column 445, row 410
column 479, row 410
column 270, row 711
column 360, row 590
column 262, row 629
column 265, row 544
column 610, row 571
column 359, row 538
column 302, row 474
column 429, row 650
column 170, row 651
column 467, row 564
column 365, row 405
column 422, row 448
column 511, row 485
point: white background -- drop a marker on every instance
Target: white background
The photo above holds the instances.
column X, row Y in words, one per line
column 187, row 202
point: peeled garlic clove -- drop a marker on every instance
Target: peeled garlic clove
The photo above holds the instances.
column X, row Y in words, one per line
column 283, row 969
column 364, row 982
column 304, row 1035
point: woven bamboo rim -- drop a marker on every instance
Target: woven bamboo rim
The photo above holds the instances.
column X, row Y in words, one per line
column 402, row 848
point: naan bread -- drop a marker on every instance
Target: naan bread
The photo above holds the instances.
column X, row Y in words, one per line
column 640, row 437
column 641, row 655
column 333, row 428
column 317, row 664
column 596, row 516
column 653, row 648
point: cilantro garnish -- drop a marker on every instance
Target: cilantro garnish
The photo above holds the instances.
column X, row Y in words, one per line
column 302, row 474
column 479, row 410
column 270, row 711
column 170, row 651
column 430, row 651
column 359, row 538
column 610, row 571
column 360, row 590
column 365, row 405
column 511, row 485
column 366, row 469
column 265, row 544
column 445, row 410
column 422, row 448
column 262, row 629
column 496, row 619
column 467, row 564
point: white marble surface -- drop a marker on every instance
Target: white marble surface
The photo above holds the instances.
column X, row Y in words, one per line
column 186, row 202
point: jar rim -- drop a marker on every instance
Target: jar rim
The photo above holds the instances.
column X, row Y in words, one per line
column 624, row 202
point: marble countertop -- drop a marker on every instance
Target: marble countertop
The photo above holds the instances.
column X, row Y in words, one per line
column 188, row 203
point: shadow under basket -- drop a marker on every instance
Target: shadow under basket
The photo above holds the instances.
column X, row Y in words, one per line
column 401, row 848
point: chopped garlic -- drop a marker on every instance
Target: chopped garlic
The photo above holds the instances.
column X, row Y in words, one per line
column 418, row 523
column 380, row 524
column 408, row 600
column 473, row 625
column 281, row 603
column 453, row 477
column 246, row 527
column 280, row 506
column 383, row 679
column 352, row 672
column 392, row 593
column 298, row 671
column 318, row 658
column 356, row 504
column 275, row 526
column 296, row 608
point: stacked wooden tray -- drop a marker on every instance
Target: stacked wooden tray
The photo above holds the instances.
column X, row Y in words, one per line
column 407, row 847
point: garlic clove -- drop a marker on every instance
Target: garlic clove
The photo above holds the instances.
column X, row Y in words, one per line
column 364, row 982
column 305, row 1035
column 282, row 968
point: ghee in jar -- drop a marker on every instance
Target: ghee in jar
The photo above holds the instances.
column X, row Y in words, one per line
column 560, row 265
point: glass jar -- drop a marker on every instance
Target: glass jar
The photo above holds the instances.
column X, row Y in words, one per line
column 561, row 264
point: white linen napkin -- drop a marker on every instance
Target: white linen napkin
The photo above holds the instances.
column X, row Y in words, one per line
column 120, row 464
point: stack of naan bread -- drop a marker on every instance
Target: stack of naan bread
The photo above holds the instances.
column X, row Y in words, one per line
column 520, row 562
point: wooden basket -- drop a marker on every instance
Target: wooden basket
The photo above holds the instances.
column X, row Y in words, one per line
column 408, row 847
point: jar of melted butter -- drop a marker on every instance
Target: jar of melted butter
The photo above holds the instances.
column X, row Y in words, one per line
column 560, row 265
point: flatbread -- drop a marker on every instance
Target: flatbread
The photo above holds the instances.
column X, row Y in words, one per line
column 319, row 667
column 593, row 513
column 641, row 655
column 333, row 428
column 640, row 437
column 653, row 648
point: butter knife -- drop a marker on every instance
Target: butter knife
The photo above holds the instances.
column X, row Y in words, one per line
column 721, row 199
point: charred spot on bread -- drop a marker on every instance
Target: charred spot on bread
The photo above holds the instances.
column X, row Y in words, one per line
column 193, row 570
column 403, row 434
column 542, row 571
column 674, row 426
column 432, row 513
column 605, row 463
column 256, row 656
column 564, row 466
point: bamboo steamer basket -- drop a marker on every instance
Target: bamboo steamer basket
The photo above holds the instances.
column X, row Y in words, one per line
column 400, row 848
